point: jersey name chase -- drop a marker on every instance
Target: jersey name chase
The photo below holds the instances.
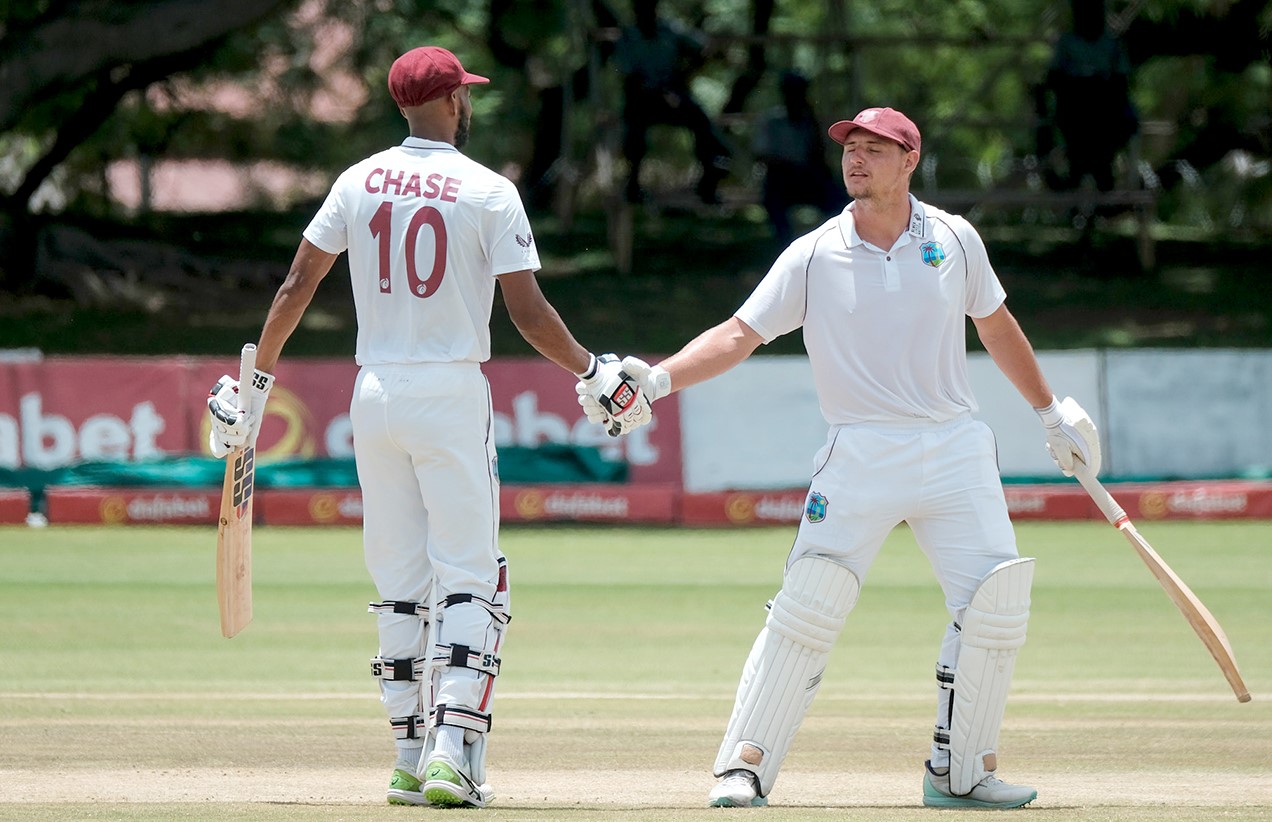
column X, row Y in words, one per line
column 435, row 186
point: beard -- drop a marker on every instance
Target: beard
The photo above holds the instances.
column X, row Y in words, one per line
column 860, row 190
column 461, row 130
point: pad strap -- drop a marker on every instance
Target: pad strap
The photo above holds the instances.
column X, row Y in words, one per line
column 497, row 612
column 461, row 656
column 461, row 717
column 944, row 682
column 394, row 606
column 409, row 727
column 398, row 670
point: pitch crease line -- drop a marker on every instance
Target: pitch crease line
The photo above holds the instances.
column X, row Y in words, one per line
column 1034, row 698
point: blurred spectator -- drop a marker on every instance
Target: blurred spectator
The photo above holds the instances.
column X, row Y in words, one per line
column 792, row 146
column 657, row 59
column 1089, row 82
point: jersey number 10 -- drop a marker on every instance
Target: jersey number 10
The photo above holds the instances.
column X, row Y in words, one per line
column 382, row 227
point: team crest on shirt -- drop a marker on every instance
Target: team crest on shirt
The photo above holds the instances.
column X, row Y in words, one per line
column 526, row 241
column 933, row 254
column 816, row 508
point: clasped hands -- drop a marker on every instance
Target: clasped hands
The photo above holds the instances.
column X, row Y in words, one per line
column 618, row 394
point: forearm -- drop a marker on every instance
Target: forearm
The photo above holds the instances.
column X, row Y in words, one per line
column 539, row 323
column 294, row 295
column 284, row 315
column 711, row 353
column 1011, row 352
column 547, row 334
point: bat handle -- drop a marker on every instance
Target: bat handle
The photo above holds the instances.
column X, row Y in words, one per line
column 1108, row 506
column 247, row 367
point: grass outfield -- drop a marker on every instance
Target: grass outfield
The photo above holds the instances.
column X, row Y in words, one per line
column 119, row 700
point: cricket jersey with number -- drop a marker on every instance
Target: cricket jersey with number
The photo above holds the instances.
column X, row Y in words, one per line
column 885, row 329
column 427, row 230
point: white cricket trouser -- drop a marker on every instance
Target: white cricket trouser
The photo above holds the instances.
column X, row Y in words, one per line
column 942, row 479
column 424, row 445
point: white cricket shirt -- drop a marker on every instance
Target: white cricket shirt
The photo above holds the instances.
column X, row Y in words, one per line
column 427, row 230
column 885, row 330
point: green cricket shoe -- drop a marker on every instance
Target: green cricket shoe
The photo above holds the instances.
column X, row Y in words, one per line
column 447, row 786
column 991, row 793
column 404, row 789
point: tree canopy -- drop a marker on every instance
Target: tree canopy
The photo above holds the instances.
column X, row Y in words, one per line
column 301, row 83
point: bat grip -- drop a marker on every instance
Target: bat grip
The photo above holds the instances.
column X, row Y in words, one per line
column 247, row 367
column 1108, row 506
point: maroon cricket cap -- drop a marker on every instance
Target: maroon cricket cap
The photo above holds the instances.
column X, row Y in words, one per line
column 426, row 73
column 882, row 122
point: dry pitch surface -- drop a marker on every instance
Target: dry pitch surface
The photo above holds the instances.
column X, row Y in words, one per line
column 118, row 701
column 623, row 756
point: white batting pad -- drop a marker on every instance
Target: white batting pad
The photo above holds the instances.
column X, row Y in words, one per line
column 403, row 627
column 785, row 667
column 992, row 632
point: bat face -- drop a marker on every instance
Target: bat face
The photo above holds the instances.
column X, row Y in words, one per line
column 234, row 544
column 242, row 482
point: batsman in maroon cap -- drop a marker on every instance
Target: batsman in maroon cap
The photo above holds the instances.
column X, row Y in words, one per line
column 429, row 232
column 882, row 293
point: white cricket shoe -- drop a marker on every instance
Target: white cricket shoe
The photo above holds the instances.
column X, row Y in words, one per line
column 738, row 789
column 990, row 793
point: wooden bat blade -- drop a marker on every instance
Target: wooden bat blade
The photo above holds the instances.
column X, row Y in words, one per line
column 234, row 544
column 1198, row 615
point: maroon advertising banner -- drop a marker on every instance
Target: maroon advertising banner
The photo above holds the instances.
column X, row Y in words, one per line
column 64, row 410
column 61, row 411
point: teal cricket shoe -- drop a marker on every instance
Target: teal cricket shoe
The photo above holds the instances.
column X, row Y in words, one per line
column 738, row 789
column 991, row 793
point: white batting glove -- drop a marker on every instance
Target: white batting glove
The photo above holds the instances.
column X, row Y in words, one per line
column 653, row 380
column 618, row 396
column 257, row 394
column 1071, row 436
column 591, row 406
column 230, row 427
column 236, row 419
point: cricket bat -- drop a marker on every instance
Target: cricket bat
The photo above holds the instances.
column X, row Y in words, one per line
column 1197, row 614
column 234, row 532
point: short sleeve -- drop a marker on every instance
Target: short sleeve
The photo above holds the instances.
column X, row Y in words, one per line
column 510, row 244
column 778, row 304
column 984, row 292
column 329, row 229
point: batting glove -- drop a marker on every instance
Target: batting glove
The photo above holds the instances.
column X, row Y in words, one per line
column 257, row 394
column 609, row 396
column 1071, row 436
column 230, row 428
column 654, row 381
column 236, row 419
